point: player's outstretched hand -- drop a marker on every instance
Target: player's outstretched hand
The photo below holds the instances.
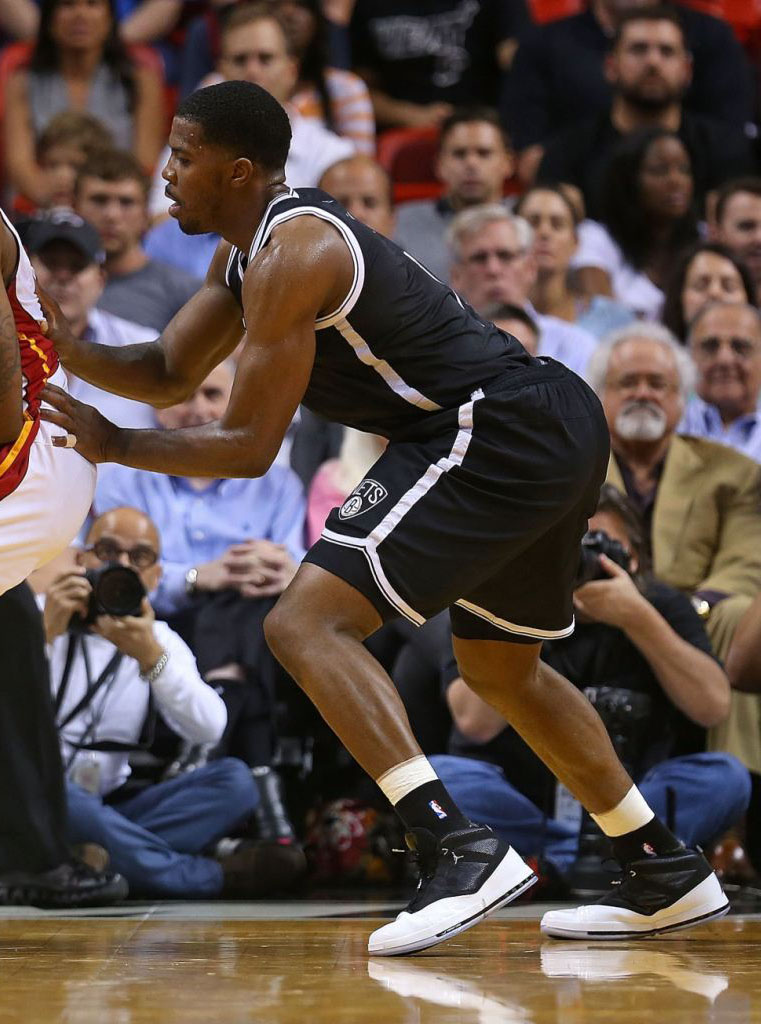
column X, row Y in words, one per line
column 55, row 325
column 85, row 429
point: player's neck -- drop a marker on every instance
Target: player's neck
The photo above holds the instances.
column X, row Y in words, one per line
column 244, row 221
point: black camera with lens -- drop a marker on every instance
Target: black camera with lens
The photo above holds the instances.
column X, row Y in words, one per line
column 116, row 590
column 593, row 544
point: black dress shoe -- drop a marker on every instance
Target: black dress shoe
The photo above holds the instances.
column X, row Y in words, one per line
column 70, row 885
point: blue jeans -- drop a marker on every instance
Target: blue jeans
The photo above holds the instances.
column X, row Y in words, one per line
column 155, row 839
column 712, row 791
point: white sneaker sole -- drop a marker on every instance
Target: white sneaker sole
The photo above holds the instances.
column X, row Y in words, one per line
column 442, row 920
column 703, row 903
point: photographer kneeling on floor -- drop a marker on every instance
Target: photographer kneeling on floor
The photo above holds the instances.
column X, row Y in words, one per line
column 641, row 654
column 111, row 674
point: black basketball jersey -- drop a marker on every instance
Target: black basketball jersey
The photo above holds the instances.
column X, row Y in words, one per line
column 402, row 345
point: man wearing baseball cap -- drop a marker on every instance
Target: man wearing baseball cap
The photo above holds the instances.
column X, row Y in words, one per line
column 68, row 257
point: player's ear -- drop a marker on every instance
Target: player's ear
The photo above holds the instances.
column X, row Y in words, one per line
column 242, row 172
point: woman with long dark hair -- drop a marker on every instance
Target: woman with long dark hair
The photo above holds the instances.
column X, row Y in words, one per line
column 340, row 99
column 79, row 63
column 647, row 216
column 707, row 272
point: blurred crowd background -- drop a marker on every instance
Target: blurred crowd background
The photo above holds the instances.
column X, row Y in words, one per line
column 586, row 174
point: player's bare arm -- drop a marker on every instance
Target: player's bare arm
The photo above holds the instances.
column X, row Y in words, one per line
column 306, row 271
column 11, row 411
column 165, row 371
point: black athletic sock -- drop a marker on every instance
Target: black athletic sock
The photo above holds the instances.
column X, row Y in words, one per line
column 430, row 806
column 651, row 840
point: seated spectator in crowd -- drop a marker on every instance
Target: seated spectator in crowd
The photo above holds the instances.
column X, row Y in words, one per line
column 79, row 63
column 738, row 223
column 67, row 257
column 647, row 216
column 649, row 71
column 365, row 189
column 641, row 654
column 559, row 74
column 336, row 478
column 201, row 50
column 255, row 47
column 492, row 262
column 112, row 194
column 699, row 499
column 159, row 838
column 64, row 148
column 230, row 547
column 421, row 64
column 706, row 272
column 725, row 344
column 473, row 162
column 554, row 220
column 336, row 98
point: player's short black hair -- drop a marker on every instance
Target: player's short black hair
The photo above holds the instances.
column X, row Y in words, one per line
column 243, row 118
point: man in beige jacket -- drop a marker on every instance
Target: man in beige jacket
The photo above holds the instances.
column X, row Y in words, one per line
column 701, row 501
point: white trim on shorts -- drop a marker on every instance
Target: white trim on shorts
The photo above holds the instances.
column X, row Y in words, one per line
column 512, row 627
column 369, row 545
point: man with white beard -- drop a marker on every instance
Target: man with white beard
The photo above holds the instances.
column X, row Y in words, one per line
column 701, row 501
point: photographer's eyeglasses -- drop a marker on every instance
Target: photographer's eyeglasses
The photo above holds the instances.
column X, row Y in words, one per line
column 141, row 556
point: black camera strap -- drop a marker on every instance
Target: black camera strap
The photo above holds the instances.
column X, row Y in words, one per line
column 106, row 678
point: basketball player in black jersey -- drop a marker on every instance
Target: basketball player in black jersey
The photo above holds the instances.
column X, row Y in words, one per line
column 494, row 463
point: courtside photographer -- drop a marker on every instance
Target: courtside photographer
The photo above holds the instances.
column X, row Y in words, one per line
column 640, row 653
column 114, row 668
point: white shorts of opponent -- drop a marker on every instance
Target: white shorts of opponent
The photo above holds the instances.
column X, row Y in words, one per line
column 46, row 511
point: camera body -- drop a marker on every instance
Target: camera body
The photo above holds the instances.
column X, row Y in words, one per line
column 116, row 590
column 593, row 544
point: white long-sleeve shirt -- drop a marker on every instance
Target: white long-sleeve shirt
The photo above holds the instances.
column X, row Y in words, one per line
column 193, row 709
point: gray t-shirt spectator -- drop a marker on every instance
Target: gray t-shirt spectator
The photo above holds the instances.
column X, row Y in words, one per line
column 420, row 229
column 149, row 296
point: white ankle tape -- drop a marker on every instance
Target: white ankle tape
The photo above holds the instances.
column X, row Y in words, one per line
column 633, row 812
column 403, row 778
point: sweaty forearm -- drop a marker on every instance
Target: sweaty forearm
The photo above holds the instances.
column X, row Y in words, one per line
column 133, row 371
column 206, row 451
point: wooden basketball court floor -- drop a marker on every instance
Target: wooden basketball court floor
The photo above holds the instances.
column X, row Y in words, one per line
column 305, row 962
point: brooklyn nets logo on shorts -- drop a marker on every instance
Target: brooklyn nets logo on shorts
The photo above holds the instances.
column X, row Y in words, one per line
column 365, row 495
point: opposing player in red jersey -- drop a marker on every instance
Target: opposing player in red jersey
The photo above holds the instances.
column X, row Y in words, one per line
column 45, row 494
column 45, row 491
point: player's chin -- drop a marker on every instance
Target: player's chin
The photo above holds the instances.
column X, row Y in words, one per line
column 188, row 226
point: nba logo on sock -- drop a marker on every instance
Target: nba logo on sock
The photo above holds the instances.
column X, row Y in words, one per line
column 437, row 809
column 649, row 850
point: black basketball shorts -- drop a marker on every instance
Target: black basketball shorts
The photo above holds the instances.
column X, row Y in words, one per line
column 481, row 510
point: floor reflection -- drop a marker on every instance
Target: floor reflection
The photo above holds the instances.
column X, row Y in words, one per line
column 313, row 971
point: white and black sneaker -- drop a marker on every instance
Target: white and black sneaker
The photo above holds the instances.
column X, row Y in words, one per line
column 655, row 895
column 463, row 878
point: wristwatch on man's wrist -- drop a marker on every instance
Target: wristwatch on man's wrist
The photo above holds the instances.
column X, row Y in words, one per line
column 191, row 581
column 701, row 606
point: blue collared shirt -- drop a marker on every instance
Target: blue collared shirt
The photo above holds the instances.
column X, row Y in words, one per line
column 703, row 420
column 198, row 526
